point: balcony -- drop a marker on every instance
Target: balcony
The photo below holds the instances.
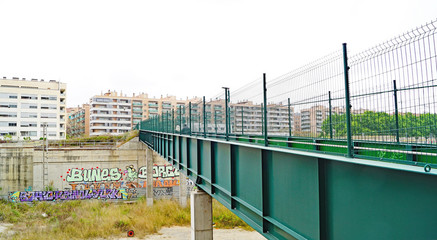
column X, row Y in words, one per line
column 137, row 104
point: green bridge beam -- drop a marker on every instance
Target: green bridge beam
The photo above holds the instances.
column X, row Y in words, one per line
column 291, row 194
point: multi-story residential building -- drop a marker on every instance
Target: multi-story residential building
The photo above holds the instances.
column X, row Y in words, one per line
column 311, row 119
column 115, row 114
column 78, row 122
column 110, row 114
column 27, row 106
column 245, row 117
column 296, row 123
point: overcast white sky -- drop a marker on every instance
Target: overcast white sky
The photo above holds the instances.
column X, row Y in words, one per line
column 187, row 47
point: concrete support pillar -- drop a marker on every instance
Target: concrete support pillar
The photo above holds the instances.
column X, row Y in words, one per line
column 182, row 190
column 149, row 180
column 201, row 216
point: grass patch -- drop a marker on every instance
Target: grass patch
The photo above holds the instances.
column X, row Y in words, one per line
column 99, row 219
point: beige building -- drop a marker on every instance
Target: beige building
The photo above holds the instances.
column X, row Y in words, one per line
column 311, row 119
column 26, row 106
column 113, row 113
column 78, row 122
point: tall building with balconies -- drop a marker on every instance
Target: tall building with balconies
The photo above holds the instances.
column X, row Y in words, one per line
column 78, row 122
column 249, row 118
column 311, row 119
column 115, row 114
column 27, row 106
column 110, row 114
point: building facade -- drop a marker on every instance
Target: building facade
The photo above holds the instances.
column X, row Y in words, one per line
column 115, row 114
column 27, row 106
column 78, row 122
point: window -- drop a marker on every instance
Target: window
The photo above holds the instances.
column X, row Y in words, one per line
column 29, row 96
column 29, row 106
column 49, row 106
column 8, row 124
column 8, row 105
column 29, row 115
column 49, row 125
column 49, row 115
column 8, row 114
column 28, row 124
column 3, row 133
column 102, row 100
column 8, row 95
column 28, row 133
column 49, row 97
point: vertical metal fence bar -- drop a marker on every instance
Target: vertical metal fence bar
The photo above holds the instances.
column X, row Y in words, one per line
column 289, row 118
column 348, row 104
column 180, row 118
column 227, row 113
column 204, row 117
column 266, row 143
column 172, row 121
column 330, row 115
column 189, row 117
column 395, row 95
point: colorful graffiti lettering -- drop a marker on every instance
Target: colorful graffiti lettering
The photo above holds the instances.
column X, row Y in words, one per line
column 115, row 174
column 162, row 171
column 126, row 185
column 93, row 175
column 68, row 195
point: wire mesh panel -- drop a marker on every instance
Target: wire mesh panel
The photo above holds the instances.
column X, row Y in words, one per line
column 313, row 94
column 390, row 94
column 393, row 89
column 246, row 109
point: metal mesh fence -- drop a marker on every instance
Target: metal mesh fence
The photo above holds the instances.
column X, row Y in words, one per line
column 393, row 89
column 390, row 90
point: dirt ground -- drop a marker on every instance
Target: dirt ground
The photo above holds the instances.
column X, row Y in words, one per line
column 184, row 233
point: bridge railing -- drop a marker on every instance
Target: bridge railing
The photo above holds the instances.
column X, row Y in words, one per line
column 390, row 90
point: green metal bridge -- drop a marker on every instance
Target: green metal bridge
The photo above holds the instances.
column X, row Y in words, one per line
column 365, row 170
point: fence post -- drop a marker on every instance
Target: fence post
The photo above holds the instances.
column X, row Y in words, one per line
column 266, row 139
column 289, row 118
column 350, row 146
column 395, row 93
column 330, row 115
column 227, row 113
column 204, row 118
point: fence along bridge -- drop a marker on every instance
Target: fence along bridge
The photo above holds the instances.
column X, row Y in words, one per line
column 344, row 178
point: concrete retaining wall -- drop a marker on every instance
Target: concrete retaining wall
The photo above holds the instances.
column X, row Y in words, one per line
column 21, row 169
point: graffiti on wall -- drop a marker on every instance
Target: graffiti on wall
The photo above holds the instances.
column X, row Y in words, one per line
column 123, row 184
column 70, row 195
column 116, row 174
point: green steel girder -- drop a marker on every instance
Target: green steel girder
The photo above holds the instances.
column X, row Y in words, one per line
column 291, row 194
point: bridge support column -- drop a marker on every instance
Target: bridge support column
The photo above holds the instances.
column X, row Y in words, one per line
column 149, row 180
column 182, row 190
column 201, row 215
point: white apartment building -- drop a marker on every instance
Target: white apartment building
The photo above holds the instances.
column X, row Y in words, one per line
column 26, row 106
column 110, row 114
